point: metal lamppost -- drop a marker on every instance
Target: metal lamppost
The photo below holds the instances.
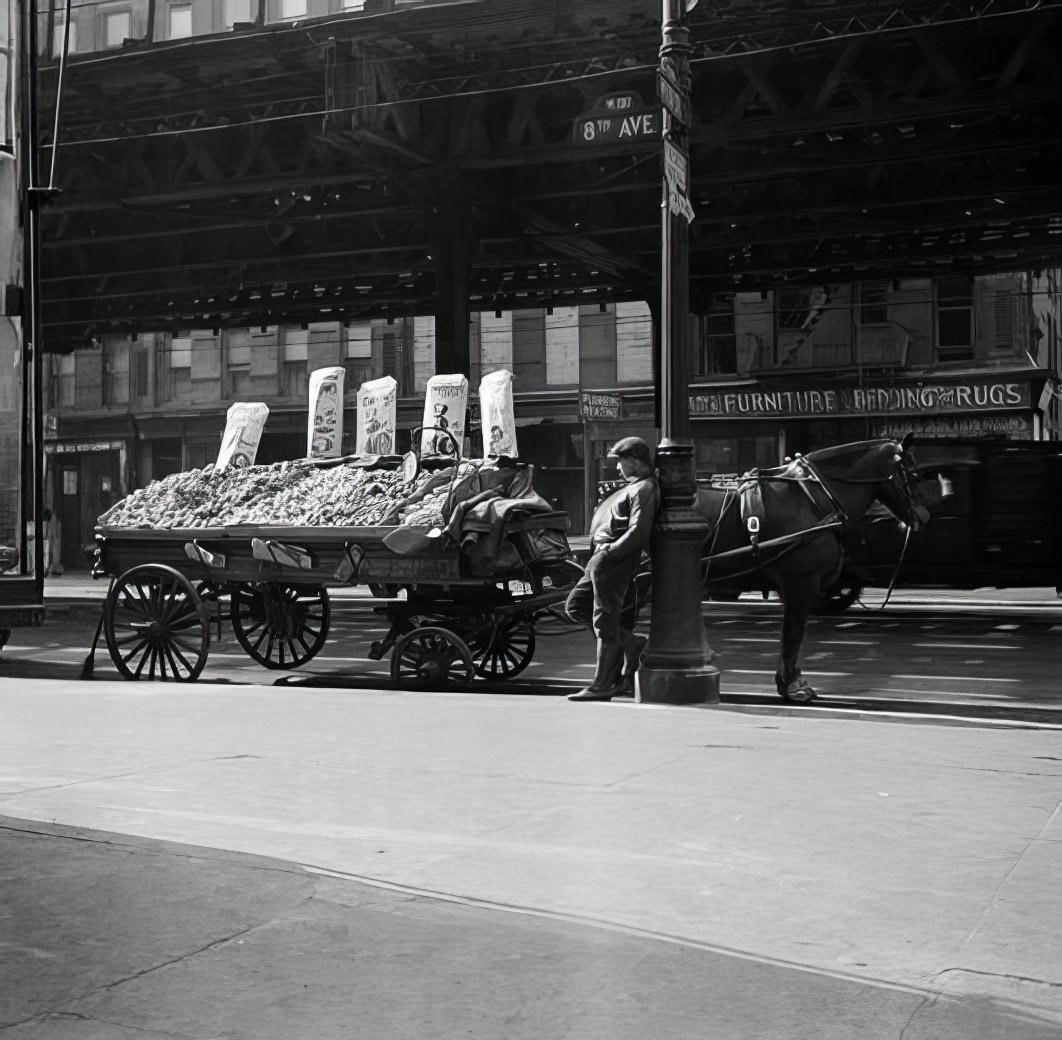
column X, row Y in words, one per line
column 677, row 667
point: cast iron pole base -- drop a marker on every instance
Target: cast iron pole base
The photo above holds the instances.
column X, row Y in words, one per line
column 677, row 668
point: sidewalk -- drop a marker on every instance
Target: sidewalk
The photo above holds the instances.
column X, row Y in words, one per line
column 535, row 867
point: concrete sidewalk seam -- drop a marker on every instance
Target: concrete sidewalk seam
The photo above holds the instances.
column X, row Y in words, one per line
column 621, row 929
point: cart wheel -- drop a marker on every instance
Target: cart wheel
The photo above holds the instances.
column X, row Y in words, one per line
column 280, row 626
column 509, row 653
column 430, row 657
column 156, row 625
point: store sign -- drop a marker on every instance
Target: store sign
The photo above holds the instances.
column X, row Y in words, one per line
column 925, row 399
column 617, row 119
column 594, row 405
column 1011, row 426
column 69, row 448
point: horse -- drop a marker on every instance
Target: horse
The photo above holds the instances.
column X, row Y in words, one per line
column 789, row 523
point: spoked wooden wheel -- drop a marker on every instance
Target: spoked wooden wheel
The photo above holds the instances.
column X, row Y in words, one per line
column 431, row 657
column 156, row 625
column 510, row 651
column 280, row 626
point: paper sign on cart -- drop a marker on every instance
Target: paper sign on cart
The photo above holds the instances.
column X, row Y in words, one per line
column 324, row 435
column 445, row 404
column 377, row 417
column 243, row 432
column 498, row 414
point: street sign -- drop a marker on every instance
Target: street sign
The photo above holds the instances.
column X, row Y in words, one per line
column 617, row 119
column 672, row 99
column 677, row 175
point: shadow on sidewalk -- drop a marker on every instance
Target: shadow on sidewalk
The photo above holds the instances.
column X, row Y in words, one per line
column 117, row 936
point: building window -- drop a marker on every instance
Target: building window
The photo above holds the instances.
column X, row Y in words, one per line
column 115, row 370
column 955, row 319
column 69, row 481
column 57, row 43
column 292, row 9
column 180, row 21
column 794, row 308
column 116, row 28
column 181, row 351
column 1004, row 314
column 140, row 372
column 718, row 348
column 357, row 355
column 295, row 378
column 65, row 380
column 873, row 303
column 237, row 11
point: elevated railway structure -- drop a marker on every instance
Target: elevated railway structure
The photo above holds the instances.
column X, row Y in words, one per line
column 308, row 164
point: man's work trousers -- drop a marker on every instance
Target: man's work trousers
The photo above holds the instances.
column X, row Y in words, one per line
column 604, row 597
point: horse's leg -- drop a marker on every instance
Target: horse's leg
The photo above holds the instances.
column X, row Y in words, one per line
column 798, row 597
column 801, row 579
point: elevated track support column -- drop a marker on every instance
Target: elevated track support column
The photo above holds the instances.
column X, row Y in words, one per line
column 453, row 263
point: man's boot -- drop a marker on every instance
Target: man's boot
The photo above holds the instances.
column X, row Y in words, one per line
column 633, row 647
column 607, row 679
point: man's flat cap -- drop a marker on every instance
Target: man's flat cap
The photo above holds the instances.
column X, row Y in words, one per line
column 632, row 447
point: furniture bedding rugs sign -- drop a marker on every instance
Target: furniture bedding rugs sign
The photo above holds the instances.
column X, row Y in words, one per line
column 927, row 398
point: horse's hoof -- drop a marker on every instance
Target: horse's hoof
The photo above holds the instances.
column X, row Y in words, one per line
column 798, row 692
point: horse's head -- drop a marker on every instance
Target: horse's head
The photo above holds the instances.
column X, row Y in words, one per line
column 882, row 471
column 900, row 492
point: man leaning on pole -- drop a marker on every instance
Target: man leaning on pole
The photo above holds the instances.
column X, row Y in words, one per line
column 619, row 536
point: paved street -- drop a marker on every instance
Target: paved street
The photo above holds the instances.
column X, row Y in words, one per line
column 985, row 653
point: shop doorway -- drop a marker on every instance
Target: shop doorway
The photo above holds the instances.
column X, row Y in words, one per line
column 91, row 485
column 70, row 516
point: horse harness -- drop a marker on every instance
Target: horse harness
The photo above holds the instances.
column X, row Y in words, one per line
column 749, row 498
column 749, row 494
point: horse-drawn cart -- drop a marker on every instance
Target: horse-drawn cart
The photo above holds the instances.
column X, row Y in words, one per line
column 454, row 613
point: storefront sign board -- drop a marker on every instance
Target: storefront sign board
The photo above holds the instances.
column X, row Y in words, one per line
column 595, row 405
column 927, row 398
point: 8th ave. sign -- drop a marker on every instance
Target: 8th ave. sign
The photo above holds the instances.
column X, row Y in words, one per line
column 617, row 119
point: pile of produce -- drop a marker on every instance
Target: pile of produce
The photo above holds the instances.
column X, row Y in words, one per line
column 296, row 494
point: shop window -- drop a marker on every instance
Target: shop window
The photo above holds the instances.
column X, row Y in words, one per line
column 732, row 456
column 954, row 319
column 873, row 303
column 179, row 24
